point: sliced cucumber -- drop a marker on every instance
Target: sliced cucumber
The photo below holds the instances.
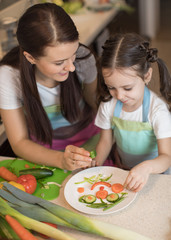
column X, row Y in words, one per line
column 112, row 197
column 89, row 198
column 38, row 173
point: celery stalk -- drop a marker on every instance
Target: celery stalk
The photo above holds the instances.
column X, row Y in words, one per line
column 32, row 224
column 82, row 222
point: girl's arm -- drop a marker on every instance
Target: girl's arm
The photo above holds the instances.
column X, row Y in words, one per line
column 17, row 133
column 138, row 176
column 104, row 146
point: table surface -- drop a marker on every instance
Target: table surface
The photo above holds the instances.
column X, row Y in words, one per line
column 149, row 214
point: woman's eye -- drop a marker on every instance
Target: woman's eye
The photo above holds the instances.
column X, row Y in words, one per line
column 59, row 63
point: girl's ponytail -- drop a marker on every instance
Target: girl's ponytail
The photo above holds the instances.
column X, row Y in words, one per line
column 165, row 82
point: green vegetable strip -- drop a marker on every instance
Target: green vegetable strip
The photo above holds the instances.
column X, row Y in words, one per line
column 84, row 223
column 32, row 224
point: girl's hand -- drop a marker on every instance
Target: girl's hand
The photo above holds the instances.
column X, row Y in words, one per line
column 137, row 177
column 76, row 157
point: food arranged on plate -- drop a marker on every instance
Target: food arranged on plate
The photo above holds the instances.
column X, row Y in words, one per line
column 102, row 198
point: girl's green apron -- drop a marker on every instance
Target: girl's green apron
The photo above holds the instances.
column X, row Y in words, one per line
column 135, row 141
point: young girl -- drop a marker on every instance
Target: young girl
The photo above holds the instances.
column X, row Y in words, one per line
column 47, row 91
column 132, row 116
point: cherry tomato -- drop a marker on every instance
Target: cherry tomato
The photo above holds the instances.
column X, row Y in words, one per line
column 29, row 182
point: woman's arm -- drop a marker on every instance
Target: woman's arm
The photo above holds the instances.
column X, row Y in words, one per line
column 17, row 133
column 104, row 146
column 138, row 176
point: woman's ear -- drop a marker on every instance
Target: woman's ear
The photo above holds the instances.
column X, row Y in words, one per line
column 29, row 57
column 148, row 76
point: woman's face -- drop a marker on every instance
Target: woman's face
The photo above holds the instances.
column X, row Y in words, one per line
column 126, row 86
column 55, row 65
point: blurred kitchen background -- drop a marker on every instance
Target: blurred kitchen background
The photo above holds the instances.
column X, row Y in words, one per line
column 96, row 20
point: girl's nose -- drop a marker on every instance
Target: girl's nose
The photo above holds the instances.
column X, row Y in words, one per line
column 119, row 95
column 70, row 66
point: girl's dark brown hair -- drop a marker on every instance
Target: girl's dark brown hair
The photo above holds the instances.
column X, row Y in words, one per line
column 40, row 26
column 130, row 50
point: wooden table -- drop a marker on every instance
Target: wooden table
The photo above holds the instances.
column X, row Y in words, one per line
column 149, row 214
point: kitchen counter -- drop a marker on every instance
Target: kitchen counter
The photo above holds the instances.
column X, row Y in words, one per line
column 149, row 214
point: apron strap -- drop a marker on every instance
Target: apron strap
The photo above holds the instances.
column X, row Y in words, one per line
column 146, row 105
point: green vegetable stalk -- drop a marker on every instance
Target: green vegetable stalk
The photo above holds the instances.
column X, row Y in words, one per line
column 32, row 224
column 81, row 222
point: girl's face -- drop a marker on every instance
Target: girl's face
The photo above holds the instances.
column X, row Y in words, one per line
column 55, row 65
column 126, row 86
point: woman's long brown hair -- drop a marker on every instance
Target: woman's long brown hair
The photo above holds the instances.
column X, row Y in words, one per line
column 40, row 26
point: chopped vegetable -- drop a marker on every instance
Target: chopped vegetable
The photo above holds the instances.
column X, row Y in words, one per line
column 80, row 189
column 112, row 197
column 23, row 233
column 89, row 198
column 101, row 188
column 29, row 182
column 7, row 175
column 117, row 187
column 102, row 194
column 93, row 154
column 38, row 173
column 26, row 166
column 82, row 222
column 100, row 183
column 17, row 185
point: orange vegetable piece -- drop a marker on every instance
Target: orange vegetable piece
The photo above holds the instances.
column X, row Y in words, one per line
column 26, row 166
column 80, row 189
column 100, row 183
column 7, row 175
column 101, row 194
column 22, row 232
column 117, row 188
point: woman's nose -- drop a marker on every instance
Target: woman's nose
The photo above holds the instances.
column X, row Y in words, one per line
column 70, row 66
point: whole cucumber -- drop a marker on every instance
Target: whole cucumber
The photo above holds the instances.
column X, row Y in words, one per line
column 38, row 173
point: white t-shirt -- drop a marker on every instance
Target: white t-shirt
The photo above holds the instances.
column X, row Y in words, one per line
column 10, row 86
column 159, row 116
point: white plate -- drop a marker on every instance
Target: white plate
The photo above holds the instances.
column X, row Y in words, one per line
column 72, row 195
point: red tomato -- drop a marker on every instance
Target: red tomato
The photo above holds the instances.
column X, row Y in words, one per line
column 29, row 182
column 50, row 224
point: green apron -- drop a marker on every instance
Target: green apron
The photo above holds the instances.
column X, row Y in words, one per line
column 135, row 141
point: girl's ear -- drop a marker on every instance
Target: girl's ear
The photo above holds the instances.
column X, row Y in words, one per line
column 148, row 76
column 29, row 57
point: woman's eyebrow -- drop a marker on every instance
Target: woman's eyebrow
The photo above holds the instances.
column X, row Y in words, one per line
column 66, row 58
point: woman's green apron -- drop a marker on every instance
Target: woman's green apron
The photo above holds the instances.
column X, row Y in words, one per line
column 135, row 141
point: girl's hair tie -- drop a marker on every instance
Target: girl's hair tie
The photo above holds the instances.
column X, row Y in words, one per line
column 151, row 53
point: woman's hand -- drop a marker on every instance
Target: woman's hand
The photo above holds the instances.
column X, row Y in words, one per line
column 76, row 157
column 137, row 177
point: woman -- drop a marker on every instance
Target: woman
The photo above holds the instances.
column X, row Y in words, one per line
column 47, row 91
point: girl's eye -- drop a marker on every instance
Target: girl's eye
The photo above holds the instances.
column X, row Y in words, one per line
column 128, row 89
